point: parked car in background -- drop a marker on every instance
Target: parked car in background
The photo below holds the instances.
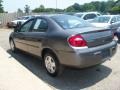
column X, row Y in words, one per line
column 20, row 19
column 118, row 33
column 64, row 40
column 107, row 21
column 87, row 15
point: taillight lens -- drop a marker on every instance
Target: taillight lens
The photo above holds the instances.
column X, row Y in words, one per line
column 77, row 41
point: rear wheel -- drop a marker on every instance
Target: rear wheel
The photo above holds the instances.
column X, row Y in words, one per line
column 12, row 46
column 52, row 65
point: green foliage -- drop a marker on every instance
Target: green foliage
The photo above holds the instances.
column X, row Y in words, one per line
column 43, row 9
column 111, row 6
column 115, row 10
column 70, row 9
column 1, row 7
column 88, row 7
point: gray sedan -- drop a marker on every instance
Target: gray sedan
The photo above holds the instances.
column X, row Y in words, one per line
column 63, row 40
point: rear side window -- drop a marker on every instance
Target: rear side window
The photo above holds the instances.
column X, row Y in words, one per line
column 40, row 25
column 90, row 16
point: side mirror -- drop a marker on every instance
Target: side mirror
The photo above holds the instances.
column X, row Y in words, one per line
column 16, row 28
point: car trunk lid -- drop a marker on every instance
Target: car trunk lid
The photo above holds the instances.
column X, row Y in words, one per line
column 95, row 36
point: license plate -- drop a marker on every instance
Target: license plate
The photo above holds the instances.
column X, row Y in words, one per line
column 106, row 53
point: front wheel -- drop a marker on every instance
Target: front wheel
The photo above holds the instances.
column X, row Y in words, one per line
column 52, row 65
column 12, row 46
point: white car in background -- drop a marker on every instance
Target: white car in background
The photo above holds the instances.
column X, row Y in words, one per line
column 107, row 21
column 87, row 15
column 20, row 19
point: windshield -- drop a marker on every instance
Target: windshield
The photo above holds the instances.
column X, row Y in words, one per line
column 102, row 19
column 70, row 22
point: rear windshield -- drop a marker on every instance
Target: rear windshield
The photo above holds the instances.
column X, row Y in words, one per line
column 70, row 22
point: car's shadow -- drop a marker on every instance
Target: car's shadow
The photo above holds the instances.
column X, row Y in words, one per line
column 70, row 79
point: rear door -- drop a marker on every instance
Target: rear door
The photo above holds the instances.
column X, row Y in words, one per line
column 37, row 35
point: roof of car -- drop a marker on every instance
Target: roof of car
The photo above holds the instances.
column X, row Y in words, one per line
column 109, row 15
column 51, row 15
column 87, row 12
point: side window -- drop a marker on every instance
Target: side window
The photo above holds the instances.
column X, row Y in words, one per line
column 26, row 27
column 89, row 16
column 113, row 20
column 118, row 19
column 41, row 25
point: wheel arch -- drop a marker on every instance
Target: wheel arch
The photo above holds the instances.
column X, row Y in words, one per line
column 45, row 50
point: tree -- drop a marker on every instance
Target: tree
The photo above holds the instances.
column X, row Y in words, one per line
column 27, row 9
column 99, row 6
column 41, row 8
column 1, row 7
column 102, row 7
column 116, row 8
column 76, row 6
column 70, row 9
column 109, row 5
column 19, row 10
column 88, row 7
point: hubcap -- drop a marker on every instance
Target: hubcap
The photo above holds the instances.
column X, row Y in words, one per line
column 50, row 64
column 12, row 45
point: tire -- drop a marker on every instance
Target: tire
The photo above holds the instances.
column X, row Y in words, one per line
column 12, row 46
column 52, row 65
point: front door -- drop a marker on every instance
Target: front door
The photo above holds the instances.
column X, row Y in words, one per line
column 22, row 34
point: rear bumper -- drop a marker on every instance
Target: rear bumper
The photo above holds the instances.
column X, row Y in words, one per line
column 82, row 58
column 9, row 24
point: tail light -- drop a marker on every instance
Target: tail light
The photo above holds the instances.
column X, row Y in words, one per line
column 77, row 41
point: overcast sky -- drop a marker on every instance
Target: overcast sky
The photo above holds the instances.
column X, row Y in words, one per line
column 13, row 5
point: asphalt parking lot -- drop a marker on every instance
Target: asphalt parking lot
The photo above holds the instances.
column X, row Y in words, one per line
column 103, row 77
